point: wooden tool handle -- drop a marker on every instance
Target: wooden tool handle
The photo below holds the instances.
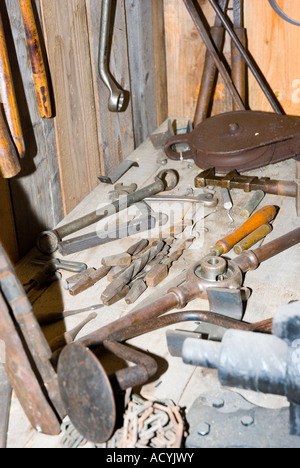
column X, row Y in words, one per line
column 263, row 216
column 9, row 160
column 8, row 96
column 36, row 58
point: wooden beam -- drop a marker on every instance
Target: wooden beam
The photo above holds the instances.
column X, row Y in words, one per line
column 67, row 41
column 115, row 130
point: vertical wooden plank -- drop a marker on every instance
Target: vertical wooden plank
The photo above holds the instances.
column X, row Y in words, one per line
column 142, row 68
column 7, row 225
column 67, row 41
column 274, row 43
column 160, row 61
column 35, row 191
column 115, row 130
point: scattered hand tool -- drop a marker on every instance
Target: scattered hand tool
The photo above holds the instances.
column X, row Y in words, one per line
column 159, row 139
column 228, row 205
column 95, row 417
column 83, row 281
column 117, row 99
column 241, row 141
column 8, row 96
column 209, row 75
column 9, row 160
column 252, row 204
column 164, row 181
column 49, row 274
column 206, row 199
column 53, row 317
column 119, row 172
column 261, row 217
column 69, row 336
column 36, row 58
column 197, row 15
column 253, row 238
column 27, row 365
column 131, row 272
column 234, row 180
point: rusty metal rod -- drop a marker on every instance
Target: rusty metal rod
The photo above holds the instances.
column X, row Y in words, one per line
column 209, row 75
column 248, row 59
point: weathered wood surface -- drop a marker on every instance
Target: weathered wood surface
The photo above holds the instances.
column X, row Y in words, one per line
column 115, row 130
column 35, row 192
column 67, row 40
column 7, row 225
column 275, row 283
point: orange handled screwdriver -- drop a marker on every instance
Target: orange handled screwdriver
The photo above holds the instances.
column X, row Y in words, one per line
column 261, row 217
column 8, row 96
column 9, row 159
column 36, row 58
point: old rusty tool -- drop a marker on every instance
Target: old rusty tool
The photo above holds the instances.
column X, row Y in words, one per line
column 27, row 355
column 209, row 75
column 234, row 180
column 69, row 336
column 53, row 317
column 9, row 160
column 121, row 231
column 36, row 59
column 83, row 281
column 5, row 402
column 119, row 172
column 238, row 64
column 248, row 59
column 164, row 181
column 117, row 96
column 87, row 390
column 197, row 14
column 49, row 273
column 261, row 217
column 241, row 141
column 8, row 96
column 253, row 238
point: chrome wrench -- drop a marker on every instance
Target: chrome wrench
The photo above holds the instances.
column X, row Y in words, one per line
column 116, row 101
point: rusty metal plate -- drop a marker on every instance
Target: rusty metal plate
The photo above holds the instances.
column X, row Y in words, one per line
column 86, row 393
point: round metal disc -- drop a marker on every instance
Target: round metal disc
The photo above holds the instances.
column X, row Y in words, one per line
column 86, row 393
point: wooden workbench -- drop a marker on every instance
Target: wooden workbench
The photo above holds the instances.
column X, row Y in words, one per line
column 274, row 284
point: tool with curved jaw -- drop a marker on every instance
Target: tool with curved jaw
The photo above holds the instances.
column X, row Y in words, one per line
column 86, row 389
column 242, row 141
column 117, row 95
column 48, row 241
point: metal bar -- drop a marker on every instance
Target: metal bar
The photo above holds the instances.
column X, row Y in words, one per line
column 5, row 401
column 248, row 59
column 213, row 51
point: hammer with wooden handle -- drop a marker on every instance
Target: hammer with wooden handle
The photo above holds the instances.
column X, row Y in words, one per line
column 8, row 96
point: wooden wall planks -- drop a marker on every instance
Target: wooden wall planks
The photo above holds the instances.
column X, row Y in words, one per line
column 115, row 130
column 67, row 40
column 35, row 192
column 272, row 42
